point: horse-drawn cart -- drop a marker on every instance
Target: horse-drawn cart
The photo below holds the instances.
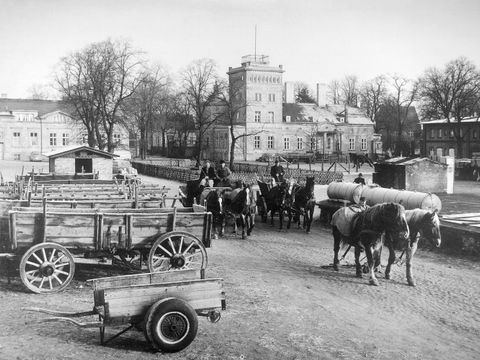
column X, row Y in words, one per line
column 49, row 243
column 164, row 305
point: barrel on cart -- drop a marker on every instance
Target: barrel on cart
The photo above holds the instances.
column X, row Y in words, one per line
column 49, row 243
column 164, row 305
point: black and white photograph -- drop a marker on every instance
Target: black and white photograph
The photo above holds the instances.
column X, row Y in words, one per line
column 239, row 180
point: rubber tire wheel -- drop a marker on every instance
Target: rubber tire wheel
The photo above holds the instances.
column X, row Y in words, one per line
column 160, row 314
column 47, row 245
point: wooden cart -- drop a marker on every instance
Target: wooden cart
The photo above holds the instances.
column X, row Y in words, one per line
column 163, row 305
column 49, row 243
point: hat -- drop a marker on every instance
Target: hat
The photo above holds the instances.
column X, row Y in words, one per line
column 222, row 161
column 276, row 160
column 360, row 174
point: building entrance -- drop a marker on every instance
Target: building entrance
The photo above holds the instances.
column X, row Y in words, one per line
column 83, row 166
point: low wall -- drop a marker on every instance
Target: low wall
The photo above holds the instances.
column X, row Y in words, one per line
column 245, row 172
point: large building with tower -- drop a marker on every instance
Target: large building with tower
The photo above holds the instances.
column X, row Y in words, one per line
column 267, row 123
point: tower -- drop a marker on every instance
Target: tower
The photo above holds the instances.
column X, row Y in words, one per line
column 258, row 86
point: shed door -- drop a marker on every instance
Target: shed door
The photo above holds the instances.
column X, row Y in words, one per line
column 83, row 166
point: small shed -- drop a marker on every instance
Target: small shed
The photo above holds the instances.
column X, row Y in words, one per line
column 417, row 174
column 82, row 160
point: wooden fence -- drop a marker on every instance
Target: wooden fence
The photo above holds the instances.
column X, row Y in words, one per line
column 248, row 173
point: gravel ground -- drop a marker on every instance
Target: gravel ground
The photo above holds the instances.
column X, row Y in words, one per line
column 283, row 302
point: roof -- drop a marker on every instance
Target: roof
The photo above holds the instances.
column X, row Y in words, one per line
column 41, row 106
column 76, row 148
column 300, row 112
column 408, row 161
column 445, row 121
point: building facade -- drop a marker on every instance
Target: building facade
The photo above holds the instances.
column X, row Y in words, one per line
column 40, row 126
column 439, row 138
column 265, row 124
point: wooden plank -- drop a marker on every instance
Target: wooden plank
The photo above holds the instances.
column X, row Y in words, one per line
column 144, row 279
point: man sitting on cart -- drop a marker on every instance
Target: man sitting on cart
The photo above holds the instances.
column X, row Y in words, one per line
column 277, row 172
column 223, row 175
column 207, row 174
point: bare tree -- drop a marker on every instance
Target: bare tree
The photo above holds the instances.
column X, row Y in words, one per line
column 349, row 91
column 95, row 82
column 40, row 92
column 201, row 89
column 452, row 93
column 334, row 92
column 146, row 108
column 373, row 94
column 394, row 113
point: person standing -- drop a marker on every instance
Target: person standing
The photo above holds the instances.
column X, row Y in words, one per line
column 277, row 171
column 359, row 179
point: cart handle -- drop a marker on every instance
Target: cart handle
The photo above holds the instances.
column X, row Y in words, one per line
column 89, row 324
column 61, row 313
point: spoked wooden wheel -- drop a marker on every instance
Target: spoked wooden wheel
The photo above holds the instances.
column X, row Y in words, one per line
column 177, row 250
column 47, row 268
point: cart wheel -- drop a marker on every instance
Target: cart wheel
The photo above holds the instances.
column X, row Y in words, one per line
column 47, row 268
column 170, row 325
column 177, row 250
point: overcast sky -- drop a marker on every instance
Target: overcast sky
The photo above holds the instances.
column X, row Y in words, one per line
column 315, row 40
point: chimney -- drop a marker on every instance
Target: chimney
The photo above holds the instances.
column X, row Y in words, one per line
column 289, row 92
column 321, row 94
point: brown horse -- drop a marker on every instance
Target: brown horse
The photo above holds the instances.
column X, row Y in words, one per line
column 239, row 204
column 422, row 223
column 364, row 230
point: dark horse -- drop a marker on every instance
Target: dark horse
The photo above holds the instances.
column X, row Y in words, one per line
column 273, row 200
column 366, row 229
column 422, row 223
column 190, row 194
column 239, row 204
column 212, row 199
column 302, row 202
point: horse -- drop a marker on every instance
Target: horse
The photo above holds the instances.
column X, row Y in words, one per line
column 364, row 230
column 212, row 199
column 302, row 202
column 359, row 159
column 422, row 223
column 239, row 204
column 190, row 193
column 273, row 200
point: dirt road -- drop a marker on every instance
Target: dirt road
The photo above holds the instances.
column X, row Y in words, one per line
column 282, row 303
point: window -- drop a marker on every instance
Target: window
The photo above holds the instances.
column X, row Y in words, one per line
column 207, row 141
column 474, row 134
column 256, row 142
column 65, row 139
column 432, row 134
column 364, row 144
column 16, row 138
column 271, row 116
column 288, row 118
column 445, row 132
column 270, row 142
column 451, row 133
column 439, row 133
column 411, row 134
column 53, row 139
column 351, row 144
column 191, row 139
column 313, row 144
column 116, row 137
column 258, row 97
column 34, row 138
column 286, row 143
column 329, row 143
column 299, row 143
column 271, row 97
column 310, row 118
column 258, row 116
column 16, row 157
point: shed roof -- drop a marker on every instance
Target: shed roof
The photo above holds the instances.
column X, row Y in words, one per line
column 410, row 161
column 75, row 148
